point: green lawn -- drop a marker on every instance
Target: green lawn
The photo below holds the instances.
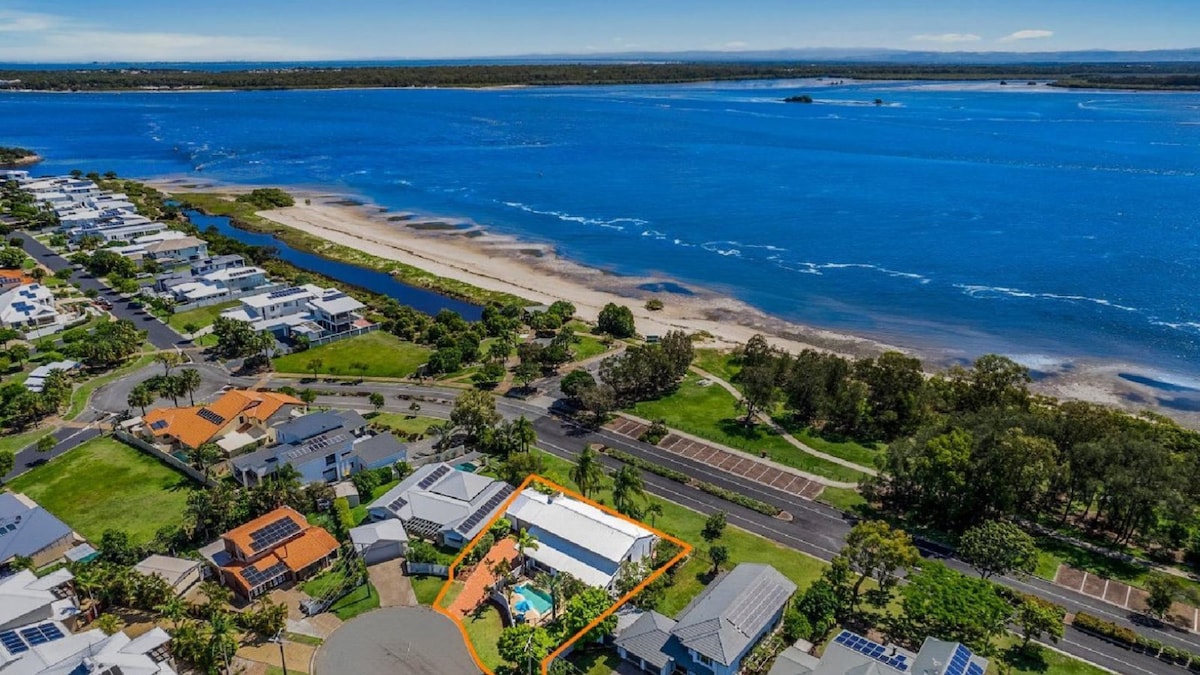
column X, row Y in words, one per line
column 456, row 587
column 384, row 354
column 106, row 484
column 427, row 588
column 484, row 630
column 595, row 662
column 201, row 316
column 710, row 412
column 587, row 347
column 1039, row 661
column 15, row 442
column 718, row 362
column 844, row 499
column 409, row 424
column 358, row 601
column 686, row 525
column 843, row 449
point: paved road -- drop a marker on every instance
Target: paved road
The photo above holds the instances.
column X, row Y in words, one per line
column 112, row 397
column 67, row 438
column 158, row 333
column 399, row 640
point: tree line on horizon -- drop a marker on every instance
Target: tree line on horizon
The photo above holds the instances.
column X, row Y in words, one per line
column 1166, row 75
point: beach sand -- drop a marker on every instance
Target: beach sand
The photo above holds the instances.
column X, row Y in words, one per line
column 470, row 253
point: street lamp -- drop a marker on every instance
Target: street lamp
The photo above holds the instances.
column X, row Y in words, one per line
column 278, row 639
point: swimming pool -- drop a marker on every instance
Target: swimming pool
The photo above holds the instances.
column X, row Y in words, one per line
column 467, row 466
column 532, row 598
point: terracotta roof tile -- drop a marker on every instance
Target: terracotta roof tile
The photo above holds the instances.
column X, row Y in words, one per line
column 240, row 536
column 314, row 544
column 194, row 428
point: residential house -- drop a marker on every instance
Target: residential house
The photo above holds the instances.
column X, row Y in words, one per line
column 308, row 310
column 716, row 630
column 574, row 537
column 27, row 599
column 17, row 175
column 220, row 262
column 37, row 377
column 29, row 307
column 48, row 649
column 324, row 446
column 443, row 504
column 181, row 573
column 177, row 250
column 237, row 418
column 29, row 531
column 187, row 287
column 269, row 551
column 379, row 541
column 849, row 654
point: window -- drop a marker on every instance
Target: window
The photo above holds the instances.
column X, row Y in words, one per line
column 330, row 460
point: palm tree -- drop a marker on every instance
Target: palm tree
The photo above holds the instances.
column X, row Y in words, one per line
column 523, row 435
column 140, row 397
column 552, row 583
column 652, row 509
column 202, row 458
column 587, row 472
column 628, row 490
column 215, row 595
column 526, row 541
column 173, row 609
column 189, row 381
column 221, row 641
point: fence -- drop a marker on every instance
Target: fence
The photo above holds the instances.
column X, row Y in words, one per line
column 354, row 332
column 426, row 569
column 167, row 458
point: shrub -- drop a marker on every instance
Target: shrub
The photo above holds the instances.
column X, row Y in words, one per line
column 422, row 552
column 654, row 304
column 345, row 519
column 1111, row 631
column 657, row 431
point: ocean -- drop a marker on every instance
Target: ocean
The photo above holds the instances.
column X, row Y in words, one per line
column 966, row 218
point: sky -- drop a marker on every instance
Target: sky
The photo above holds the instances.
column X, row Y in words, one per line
column 224, row 30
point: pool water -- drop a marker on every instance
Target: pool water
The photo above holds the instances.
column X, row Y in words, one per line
column 532, row 598
column 466, row 466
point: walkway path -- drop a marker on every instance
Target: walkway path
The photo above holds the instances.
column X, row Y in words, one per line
column 475, row 586
column 737, row 395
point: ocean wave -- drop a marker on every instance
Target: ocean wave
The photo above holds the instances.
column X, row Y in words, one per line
column 974, row 291
column 610, row 223
column 655, row 234
column 816, row 268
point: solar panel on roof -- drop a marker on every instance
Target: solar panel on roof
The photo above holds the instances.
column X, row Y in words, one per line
column 41, row 634
column 485, row 510
column 256, row 577
column 959, row 661
column 211, row 416
column 12, row 642
column 974, row 669
column 433, row 477
column 285, row 292
column 160, row 424
column 273, row 533
column 872, row 650
column 398, row 504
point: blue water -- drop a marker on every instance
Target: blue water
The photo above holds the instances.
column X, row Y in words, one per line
column 377, row 282
column 1022, row 220
column 534, row 598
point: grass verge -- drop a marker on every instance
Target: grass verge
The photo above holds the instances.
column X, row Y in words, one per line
column 384, row 355
column 201, row 316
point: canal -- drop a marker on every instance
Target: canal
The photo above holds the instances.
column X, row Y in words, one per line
column 377, row 282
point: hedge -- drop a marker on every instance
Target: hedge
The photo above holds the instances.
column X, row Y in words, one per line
column 1105, row 629
column 680, row 477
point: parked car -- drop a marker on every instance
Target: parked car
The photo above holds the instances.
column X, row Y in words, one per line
column 103, row 302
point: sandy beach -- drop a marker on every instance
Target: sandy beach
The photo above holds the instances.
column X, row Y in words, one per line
column 472, row 254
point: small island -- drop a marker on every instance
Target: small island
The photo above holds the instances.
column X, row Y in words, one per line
column 803, row 98
column 10, row 156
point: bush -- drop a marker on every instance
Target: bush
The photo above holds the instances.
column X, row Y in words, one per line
column 422, row 552
column 344, row 519
column 654, row 304
column 267, row 198
column 657, row 431
column 1111, row 631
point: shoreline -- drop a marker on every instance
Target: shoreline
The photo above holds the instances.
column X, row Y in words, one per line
column 466, row 252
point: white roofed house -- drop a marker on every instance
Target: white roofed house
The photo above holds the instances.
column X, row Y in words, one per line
column 172, row 251
column 443, row 504
column 578, row 538
column 29, row 307
column 307, row 310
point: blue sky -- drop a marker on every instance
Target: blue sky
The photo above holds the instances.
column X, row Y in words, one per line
column 214, row 30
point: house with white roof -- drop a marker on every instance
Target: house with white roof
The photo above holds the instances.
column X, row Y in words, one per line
column 48, row 649
column 27, row 599
column 578, row 538
column 441, row 503
column 307, row 310
column 28, row 307
column 177, row 250
column 37, row 377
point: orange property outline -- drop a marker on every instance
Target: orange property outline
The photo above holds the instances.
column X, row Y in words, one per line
column 685, row 550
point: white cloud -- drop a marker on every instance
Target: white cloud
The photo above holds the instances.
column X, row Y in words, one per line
column 1030, row 34
column 947, row 38
column 48, row 38
column 734, row 45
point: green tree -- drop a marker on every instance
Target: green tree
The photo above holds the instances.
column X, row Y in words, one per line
column 189, row 381
column 109, row 623
column 308, row 396
column 718, row 555
column 18, row 354
column 376, row 400
column 617, row 321
column 628, row 492
column 575, row 382
column 314, row 366
column 526, row 541
column 1164, row 590
column 202, row 458
column 525, row 646
column 475, row 411
column 998, row 548
column 587, row 473
column 876, row 551
column 759, row 391
column 46, row 443
column 7, row 460
column 141, row 396
column 1036, row 618
column 168, row 360
column 714, row 527
column 652, row 510
column 585, row 608
column 939, row 601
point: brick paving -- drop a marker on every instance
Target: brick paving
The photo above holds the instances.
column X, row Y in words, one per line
column 1123, row 595
column 476, row 584
column 734, row 463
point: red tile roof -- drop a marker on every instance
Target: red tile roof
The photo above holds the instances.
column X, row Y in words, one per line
column 193, row 428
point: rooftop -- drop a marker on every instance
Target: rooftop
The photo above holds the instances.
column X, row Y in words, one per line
column 25, row 527
column 196, row 425
column 721, row 623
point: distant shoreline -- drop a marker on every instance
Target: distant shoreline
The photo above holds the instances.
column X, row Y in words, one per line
column 499, row 263
column 1183, row 76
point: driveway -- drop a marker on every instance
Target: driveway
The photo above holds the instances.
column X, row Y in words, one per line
column 397, row 640
column 395, row 590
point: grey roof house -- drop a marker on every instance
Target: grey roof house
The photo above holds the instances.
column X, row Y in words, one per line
column 28, row 530
column 716, row 630
column 324, row 446
column 443, row 504
column 852, row 654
